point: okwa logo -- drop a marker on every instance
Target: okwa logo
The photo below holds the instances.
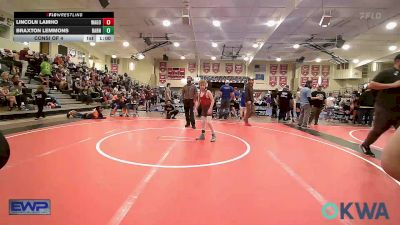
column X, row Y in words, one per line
column 355, row 210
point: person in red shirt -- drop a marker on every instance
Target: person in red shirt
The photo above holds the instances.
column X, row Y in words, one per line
column 205, row 100
column 23, row 58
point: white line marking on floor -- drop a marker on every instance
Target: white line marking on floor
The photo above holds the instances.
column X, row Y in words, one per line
column 176, row 137
column 171, row 139
column 45, row 153
column 361, row 141
column 132, row 198
column 340, row 148
column 321, row 199
column 110, row 131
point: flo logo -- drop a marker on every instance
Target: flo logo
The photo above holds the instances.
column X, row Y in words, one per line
column 355, row 210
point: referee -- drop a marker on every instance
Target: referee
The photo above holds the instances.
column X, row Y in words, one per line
column 387, row 104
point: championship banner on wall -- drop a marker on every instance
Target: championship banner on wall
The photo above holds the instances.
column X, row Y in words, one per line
column 283, row 68
column 303, row 81
column 272, row 80
column 215, row 67
column 315, row 70
column 325, row 70
column 273, row 68
column 325, row 82
column 176, row 73
column 238, row 68
column 206, row 67
column 282, row 81
column 114, row 68
column 163, row 78
column 228, row 67
column 192, row 67
column 314, row 82
column 163, row 66
column 305, row 70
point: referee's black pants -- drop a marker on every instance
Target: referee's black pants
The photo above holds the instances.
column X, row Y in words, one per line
column 383, row 120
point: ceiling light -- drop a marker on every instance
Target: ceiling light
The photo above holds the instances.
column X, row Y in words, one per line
column 270, row 23
column 296, row 46
column 183, row 57
column 113, row 56
column 325, row 20
column 255, row 45
column 346, row 47
column 214, row 44
column 216, row 23
column 391, row 25
column 278, row 59
column 355, row 61
column 317, row 60
column 392, row 48
column 176, row 44
column 140, row 56
column 125, row 44
column 213, row 58
column 92, row 43
column 246, row 58
column 166, row 23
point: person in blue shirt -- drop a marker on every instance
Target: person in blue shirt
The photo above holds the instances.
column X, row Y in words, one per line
column 305, row 107
column 226, row 97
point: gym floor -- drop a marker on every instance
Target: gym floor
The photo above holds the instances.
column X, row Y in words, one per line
column 146, row 171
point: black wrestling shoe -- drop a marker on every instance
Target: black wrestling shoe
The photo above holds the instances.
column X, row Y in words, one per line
column 187, row 125
column 366, row 150
column 193, row 126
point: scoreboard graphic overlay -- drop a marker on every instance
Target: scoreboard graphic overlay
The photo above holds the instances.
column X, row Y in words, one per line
column 64, row 26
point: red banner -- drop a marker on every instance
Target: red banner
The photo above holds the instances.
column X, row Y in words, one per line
column 283, row 68
column 176, row 73
column 325, row 82
column 238, row 68
column 228, row 67
column 305, row 70
column 273, row 68
column 315, row 70
column 206, row 67
column 282, row 81
column 215, row 67
column 163, row 66
column 303, row 81
column 163, row 78
column 272, row 80
column 192, row 67
column 314, row 82
column 114, row 68
column 325, row 70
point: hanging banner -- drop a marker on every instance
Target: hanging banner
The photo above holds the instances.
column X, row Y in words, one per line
column 215, row 67
column 305, row 70
column 206, row 67
column 315, row 70
column 114, row 68
column 273, row 68
column 272, row 80
column 283, row 68
column 170, row 72
column 228, row 67
column 182, row 72
column 192, row 67
column 325, row 70
column 303, row 81
column 176, row 73
column 163, row 67
column 238, row 68
column 325, row 82
column 162, row 78
column 314, row 82
column 282, row 81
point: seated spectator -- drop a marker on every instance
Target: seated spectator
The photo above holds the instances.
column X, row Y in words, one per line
column 8, row 97
column 170, row 111
column 5, row 80
column 95, row 114
column 45, row 71
column 86, row 95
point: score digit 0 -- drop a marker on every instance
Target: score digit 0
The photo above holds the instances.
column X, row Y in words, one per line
column 108, row 21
